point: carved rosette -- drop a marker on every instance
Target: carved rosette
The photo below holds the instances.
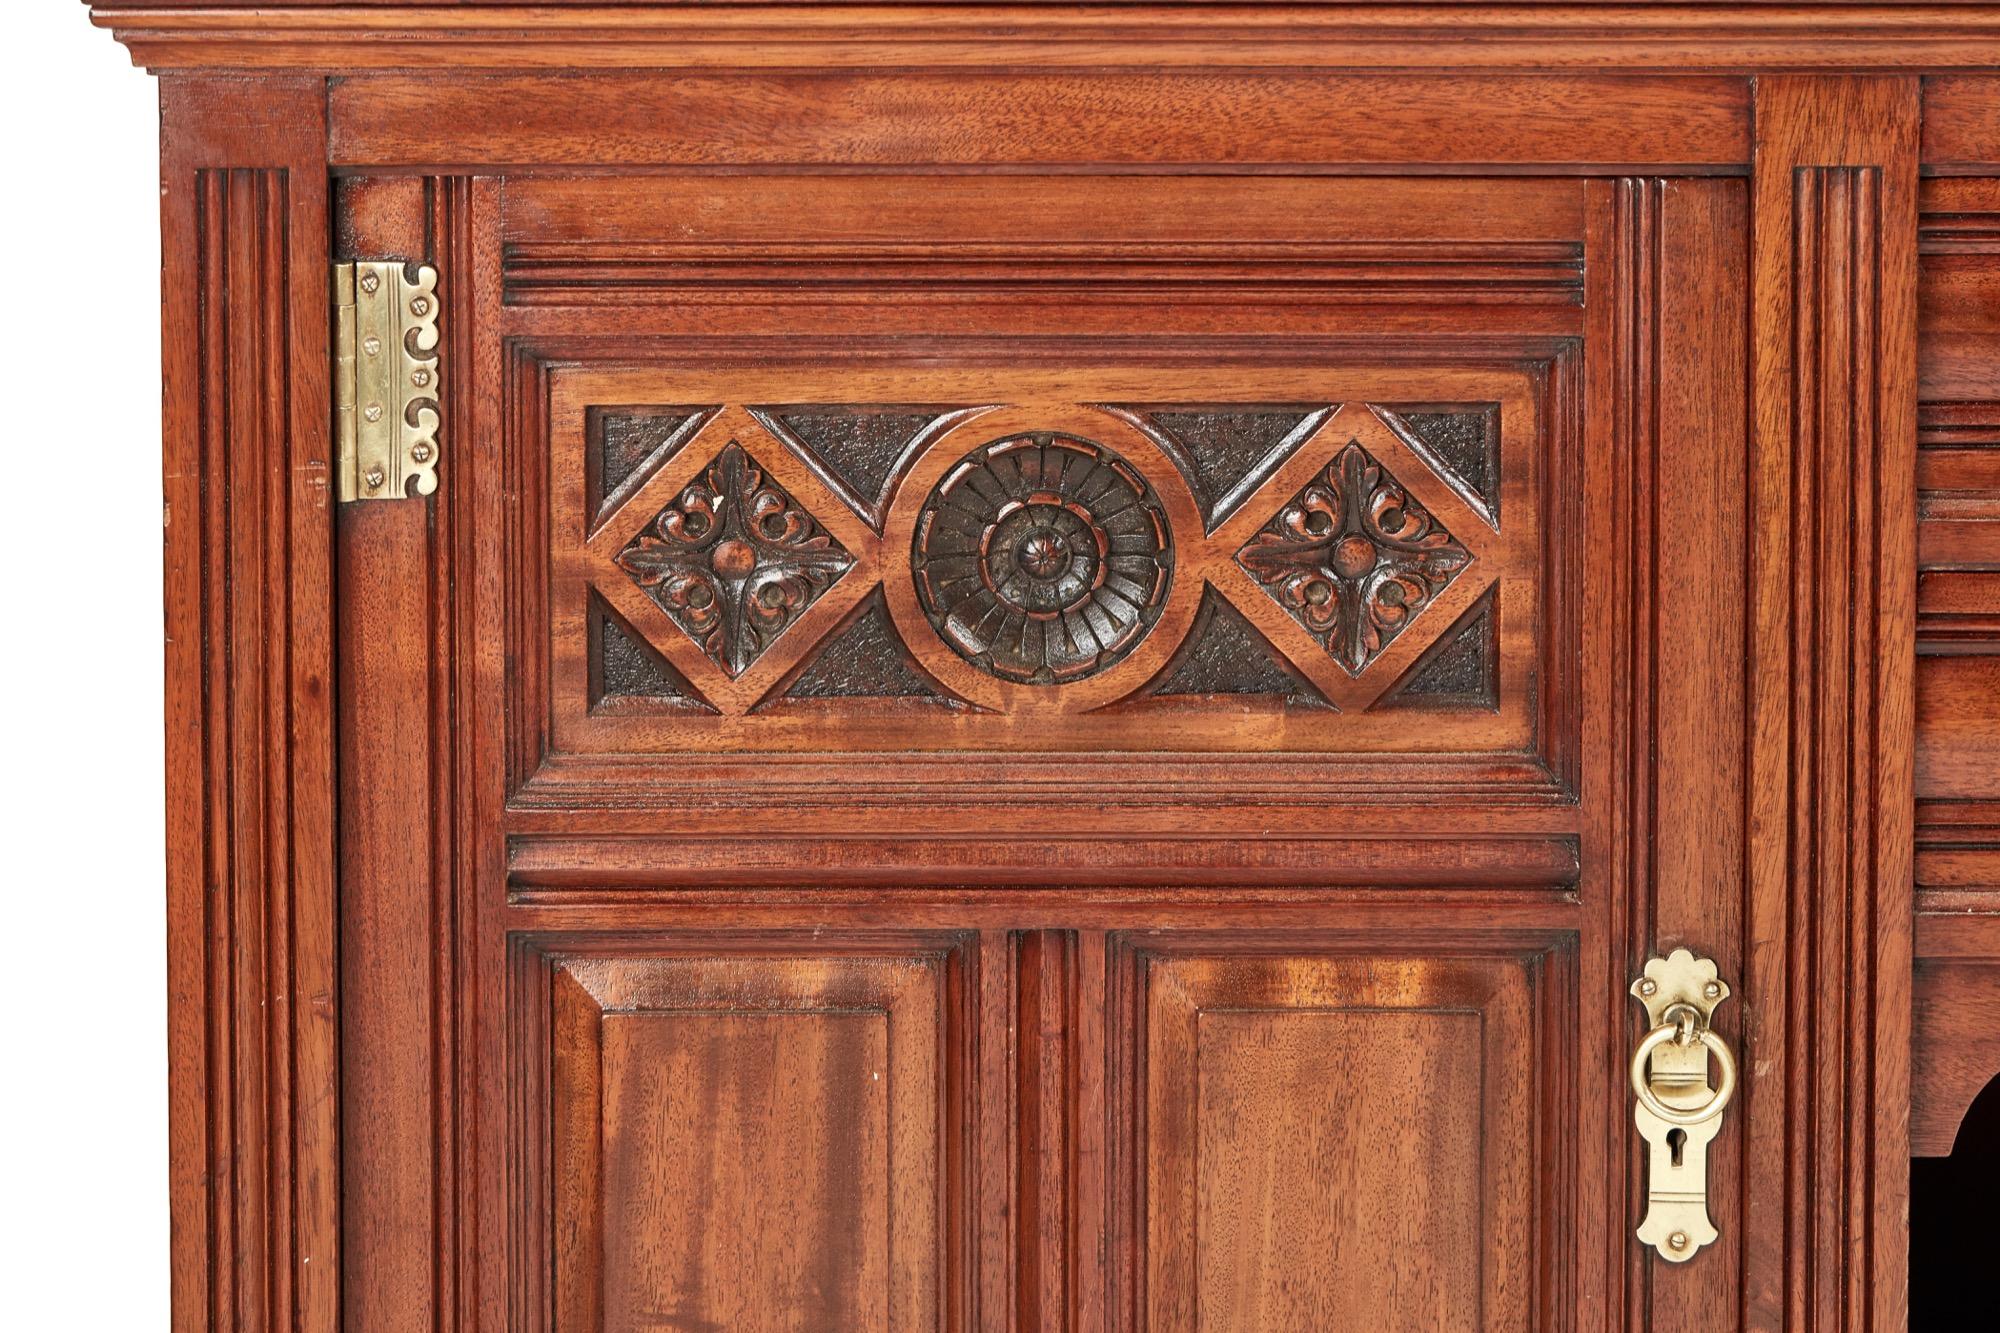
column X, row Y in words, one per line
column 1353, row 557
column 1042, row 558
column 734, row 560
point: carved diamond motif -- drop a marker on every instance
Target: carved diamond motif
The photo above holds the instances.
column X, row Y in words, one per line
column 734, row 560
column 1353, row 557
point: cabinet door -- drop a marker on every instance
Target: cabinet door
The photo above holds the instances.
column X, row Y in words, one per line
column 991, row 745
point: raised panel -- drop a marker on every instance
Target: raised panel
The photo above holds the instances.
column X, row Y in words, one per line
column 1340, row 1137
column 739, row 1137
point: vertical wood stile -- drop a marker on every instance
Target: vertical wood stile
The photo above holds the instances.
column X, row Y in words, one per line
column 394, row 780
column 1669, row 405
column 1831, row 671
column 247, row 515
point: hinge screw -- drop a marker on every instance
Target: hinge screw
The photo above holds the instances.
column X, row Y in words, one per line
column 1678, row 1241
column 1649, row 987
column 371, row 345
column 421, row 452
column 373, row 411
column 369, row 282
column 375, row 477
column 420, row 307
column 420, row 378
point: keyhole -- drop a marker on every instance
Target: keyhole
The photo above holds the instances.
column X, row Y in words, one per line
column 1676, row 1140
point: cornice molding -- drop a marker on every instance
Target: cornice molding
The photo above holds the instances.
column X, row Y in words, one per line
column 1740, row 37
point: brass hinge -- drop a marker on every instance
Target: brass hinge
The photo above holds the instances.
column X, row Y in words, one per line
column 385, row 379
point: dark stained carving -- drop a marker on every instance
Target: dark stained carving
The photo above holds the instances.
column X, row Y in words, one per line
column 1462, row 669
column 1225, row 654
column 626, row 441
column 857, row 451
column 1462, row 443
column 1226, row 451
column 1354, row 558
column 1042, row 558
column 625, row 666
column 864, row 659
column 734, row 560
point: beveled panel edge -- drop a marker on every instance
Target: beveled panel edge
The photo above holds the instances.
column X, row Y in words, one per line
column 945, row 964
column 1545, row 960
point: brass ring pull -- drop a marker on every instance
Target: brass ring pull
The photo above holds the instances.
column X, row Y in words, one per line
column 1642, row 1086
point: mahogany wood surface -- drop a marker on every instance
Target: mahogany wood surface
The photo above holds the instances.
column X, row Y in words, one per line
column 1835, row 246
column 566, row 34
column 1958, row 629
column 637, row 886
column 251, row 912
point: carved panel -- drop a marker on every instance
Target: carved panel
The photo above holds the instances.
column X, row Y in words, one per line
column 1461, row 670
column 1226, row 655
column 864, row 659
column 1266, row 568
column 1462, row 443
column 857, row 450
column 1227, row 449
column 627, row 667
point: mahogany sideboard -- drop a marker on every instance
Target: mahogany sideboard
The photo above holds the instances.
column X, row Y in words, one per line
column 1030, row 667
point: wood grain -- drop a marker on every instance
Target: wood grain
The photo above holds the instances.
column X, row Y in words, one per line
column 580, row 34
column 741, row 1141
column 1337, row 1142
column 1958, row 628
column 1673, row 834
column 1196, row 1014
column 1111, row 120
column 1962, row 122
column 1833, row 640
column 1955, row 1050
column 249, row 632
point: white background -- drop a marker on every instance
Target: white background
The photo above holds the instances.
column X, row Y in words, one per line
column 83, row 1128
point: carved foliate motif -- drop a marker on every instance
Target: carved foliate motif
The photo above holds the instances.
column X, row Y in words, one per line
column 734, row 560
column 1042, row 558
column 1354, row 558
